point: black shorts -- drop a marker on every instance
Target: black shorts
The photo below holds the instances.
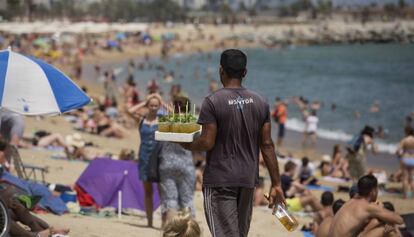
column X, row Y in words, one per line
column 281, row 132
column 228, row 210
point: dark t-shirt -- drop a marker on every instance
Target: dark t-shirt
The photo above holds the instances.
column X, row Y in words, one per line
column 286, row 182
column 239, row 115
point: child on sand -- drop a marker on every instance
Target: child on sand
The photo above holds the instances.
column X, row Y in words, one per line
column 182, row 226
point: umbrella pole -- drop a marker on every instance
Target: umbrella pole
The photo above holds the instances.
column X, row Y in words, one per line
column 119, row 204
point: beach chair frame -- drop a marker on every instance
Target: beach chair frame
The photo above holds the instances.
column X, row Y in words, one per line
column 24, row 171
column 4, row 219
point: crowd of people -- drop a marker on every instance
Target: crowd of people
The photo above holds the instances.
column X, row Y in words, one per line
column 223, row 162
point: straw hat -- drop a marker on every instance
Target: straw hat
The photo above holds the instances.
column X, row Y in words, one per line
column 326, row 158
column 75, row 140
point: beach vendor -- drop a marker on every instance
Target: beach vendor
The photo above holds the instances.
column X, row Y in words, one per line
column 235, row 127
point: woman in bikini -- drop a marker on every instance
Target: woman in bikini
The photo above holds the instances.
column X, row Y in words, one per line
column 339, row 163
column 406, row 152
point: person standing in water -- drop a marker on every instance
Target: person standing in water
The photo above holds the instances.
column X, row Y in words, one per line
column 406, row 152
column 311, row 126
column 235, row 128
column 280, row 117
column 356, row 156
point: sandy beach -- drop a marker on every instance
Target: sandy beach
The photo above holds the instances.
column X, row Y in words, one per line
column 67, row 172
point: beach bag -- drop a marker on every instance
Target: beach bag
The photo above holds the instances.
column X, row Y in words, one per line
column 154, row 164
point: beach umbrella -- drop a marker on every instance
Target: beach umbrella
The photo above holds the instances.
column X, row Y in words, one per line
column 30, row 86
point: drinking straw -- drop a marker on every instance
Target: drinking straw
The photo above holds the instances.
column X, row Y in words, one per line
column 173, row 109
column 179, row 113
column 194, row 110
column 186, row 111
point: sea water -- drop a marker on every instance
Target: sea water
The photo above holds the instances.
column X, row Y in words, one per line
column 353, row 77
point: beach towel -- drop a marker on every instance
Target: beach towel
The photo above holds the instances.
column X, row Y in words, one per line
column 319, row 187
column 307, row 234
column 48, row 202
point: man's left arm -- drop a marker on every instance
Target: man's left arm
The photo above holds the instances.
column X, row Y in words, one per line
column 269, row 156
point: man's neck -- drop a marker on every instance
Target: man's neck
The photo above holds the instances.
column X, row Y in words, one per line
column 233, row 83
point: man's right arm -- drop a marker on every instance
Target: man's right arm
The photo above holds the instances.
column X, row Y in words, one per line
column 384, row 215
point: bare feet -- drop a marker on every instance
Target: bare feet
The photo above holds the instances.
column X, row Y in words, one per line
column 44, row 233
column 61, row 231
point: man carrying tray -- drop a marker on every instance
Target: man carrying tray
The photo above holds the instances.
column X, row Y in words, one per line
column 235, row 126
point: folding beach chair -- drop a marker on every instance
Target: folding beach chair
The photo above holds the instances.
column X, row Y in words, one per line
column 24, row 171
column 4, row 219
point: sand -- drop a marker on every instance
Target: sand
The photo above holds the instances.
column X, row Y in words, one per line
column 67, row 172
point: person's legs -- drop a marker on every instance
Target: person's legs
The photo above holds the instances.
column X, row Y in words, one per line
column 169, row 197
column 23, row 215
column 186, row 185
column 220, row 208
column 411, row 181
column 312, row 201
column 313, row 140
column 281, row 134
column 244, row 210
column 51, row 139
column 149, row 206
column 305, row 140
column 405, row 181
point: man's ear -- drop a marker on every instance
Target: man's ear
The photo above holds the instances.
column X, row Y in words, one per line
column 245, row 72
column 221, row 70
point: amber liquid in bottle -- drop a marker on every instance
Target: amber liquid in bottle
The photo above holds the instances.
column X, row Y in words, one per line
column 287, row 220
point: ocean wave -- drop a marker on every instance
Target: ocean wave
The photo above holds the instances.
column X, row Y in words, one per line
column 298, row 125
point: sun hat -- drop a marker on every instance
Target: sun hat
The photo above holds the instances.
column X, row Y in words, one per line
column 75, row 140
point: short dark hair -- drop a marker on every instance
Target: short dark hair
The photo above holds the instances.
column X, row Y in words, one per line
column 3, row 145
column 366, row 184
column 233, row 62
column 305, row 161
column 290, row 165
column 368, row 130
column 327, row 198
column 389, row 206
column 337, row 205
column 353, row 191
column 409, row 130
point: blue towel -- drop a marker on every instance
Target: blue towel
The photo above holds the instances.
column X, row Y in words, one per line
column 307, row 234
column 48, row 201
column 319, row 187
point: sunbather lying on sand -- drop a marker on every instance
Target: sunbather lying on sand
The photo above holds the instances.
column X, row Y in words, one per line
column 35, row 227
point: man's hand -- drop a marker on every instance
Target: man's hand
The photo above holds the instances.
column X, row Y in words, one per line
column 276, row 196
column 388, row 229
column 185, row 145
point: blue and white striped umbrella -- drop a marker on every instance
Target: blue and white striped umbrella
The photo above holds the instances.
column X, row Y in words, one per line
column 30, row 86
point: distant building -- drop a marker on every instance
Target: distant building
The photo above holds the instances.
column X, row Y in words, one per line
column 3, row 4
column 192, row 4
